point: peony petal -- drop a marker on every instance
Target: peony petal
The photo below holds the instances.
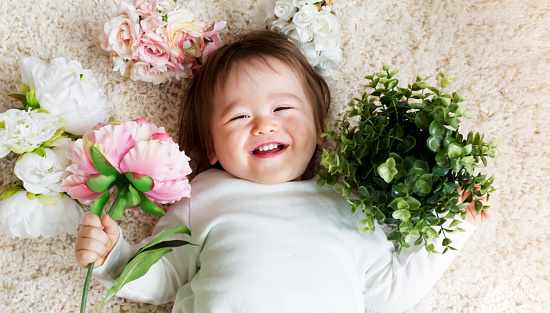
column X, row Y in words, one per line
column 151, row 158
column 142, row 130
column 116, row 140
column 76, row 187
column 169, row 191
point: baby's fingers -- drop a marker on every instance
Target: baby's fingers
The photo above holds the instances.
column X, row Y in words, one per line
column 90, row 251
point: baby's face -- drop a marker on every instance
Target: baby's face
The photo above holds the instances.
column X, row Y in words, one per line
column 263, row 126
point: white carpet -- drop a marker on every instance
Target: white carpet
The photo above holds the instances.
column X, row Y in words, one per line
column 499, row 52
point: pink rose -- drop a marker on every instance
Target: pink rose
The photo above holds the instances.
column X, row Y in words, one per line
column 143, row 71
column 181, row 30
column 122, row 31
column 151, row 48
column 209, row 42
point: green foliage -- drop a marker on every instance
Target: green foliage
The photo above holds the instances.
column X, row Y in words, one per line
column 146, row 257
column 400, row 151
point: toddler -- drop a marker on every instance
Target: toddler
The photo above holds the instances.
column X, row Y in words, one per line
column 267, row 239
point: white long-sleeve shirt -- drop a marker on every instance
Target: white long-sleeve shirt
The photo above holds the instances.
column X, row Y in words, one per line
column 289, row 247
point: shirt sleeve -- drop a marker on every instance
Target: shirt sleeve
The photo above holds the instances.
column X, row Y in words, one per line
column 164, row 278
column 396, row 282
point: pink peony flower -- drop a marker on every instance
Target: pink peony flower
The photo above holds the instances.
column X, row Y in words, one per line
column 151, row 48
column 209, row 42
column 137, row 148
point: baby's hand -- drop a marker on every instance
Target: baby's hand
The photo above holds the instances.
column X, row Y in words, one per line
column 95, row 240
column 471, row 215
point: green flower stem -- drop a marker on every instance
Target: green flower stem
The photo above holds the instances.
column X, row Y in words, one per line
column 86, row 287
column 91, row 266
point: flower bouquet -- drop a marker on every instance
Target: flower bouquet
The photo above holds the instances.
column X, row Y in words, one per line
column 157, row 41
column 60, row 100
column 129, row 164
column 400, row 151
column 311, row 23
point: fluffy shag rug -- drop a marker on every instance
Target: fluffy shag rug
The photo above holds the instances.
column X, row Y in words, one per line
column 499, row 52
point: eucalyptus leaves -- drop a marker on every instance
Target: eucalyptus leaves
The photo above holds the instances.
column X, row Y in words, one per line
column 401, row 152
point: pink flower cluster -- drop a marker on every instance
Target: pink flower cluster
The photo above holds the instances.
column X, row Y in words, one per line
column 156, row 41
column 137, row 147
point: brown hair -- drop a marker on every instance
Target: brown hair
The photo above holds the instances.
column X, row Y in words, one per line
column 256, row 46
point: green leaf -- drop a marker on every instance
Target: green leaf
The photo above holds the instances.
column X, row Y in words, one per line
column 20, row 97
column 149, row 207
column 10, row 192
column 31, row 100
column 407, row 144
column 385, row 67
column 445, row 83
column 138, row 267
column 164, row 235
column 132, row 197
column 434, row 143
column 454, row 150
column 436, row 129
column 422, row 120
column 100, row 183
column 101, row 163
column 100, row 203
column 142, row 183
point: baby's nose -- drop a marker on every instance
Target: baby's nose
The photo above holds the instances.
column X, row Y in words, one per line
column 264, row 125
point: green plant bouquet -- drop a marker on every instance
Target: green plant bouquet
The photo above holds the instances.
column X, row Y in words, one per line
column 401, row 153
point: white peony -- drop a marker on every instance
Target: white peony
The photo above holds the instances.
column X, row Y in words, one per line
column 25, row 218
column 67, row 91
column 42, row 175
column 284, row 9
column 325, row 25
column 23, row 131
column 305, row 15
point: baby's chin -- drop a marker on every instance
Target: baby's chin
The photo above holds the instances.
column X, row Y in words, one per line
column 269, row 179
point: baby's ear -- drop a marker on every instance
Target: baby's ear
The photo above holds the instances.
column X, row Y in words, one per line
column 211, row 151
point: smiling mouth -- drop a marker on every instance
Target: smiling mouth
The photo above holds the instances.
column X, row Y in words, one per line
column 268, row 149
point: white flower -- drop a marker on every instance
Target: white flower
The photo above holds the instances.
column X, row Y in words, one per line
column 325, row 25
column 305, row 15
column 67, row 91
column 278, row 25
column 299, row 3
column 42, row 175
column 329, row 61
column 264, row 13
column 311, row 53
column 284, row 9
column 25, row 218
column 24, row 131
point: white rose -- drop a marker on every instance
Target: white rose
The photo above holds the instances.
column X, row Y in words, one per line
column 264, row 13
column 305, row 15
column 67, row 91
column 311, row 53
column 25, row 218
column 284, row 9
column 143, row 71
column 299, row 3
column 278, row 25
column 325, row 25
column 24, row 131
column 329, row 61
column 42, row 175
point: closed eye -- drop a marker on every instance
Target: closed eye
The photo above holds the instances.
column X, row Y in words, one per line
column 282, row 108
column 239, row 117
